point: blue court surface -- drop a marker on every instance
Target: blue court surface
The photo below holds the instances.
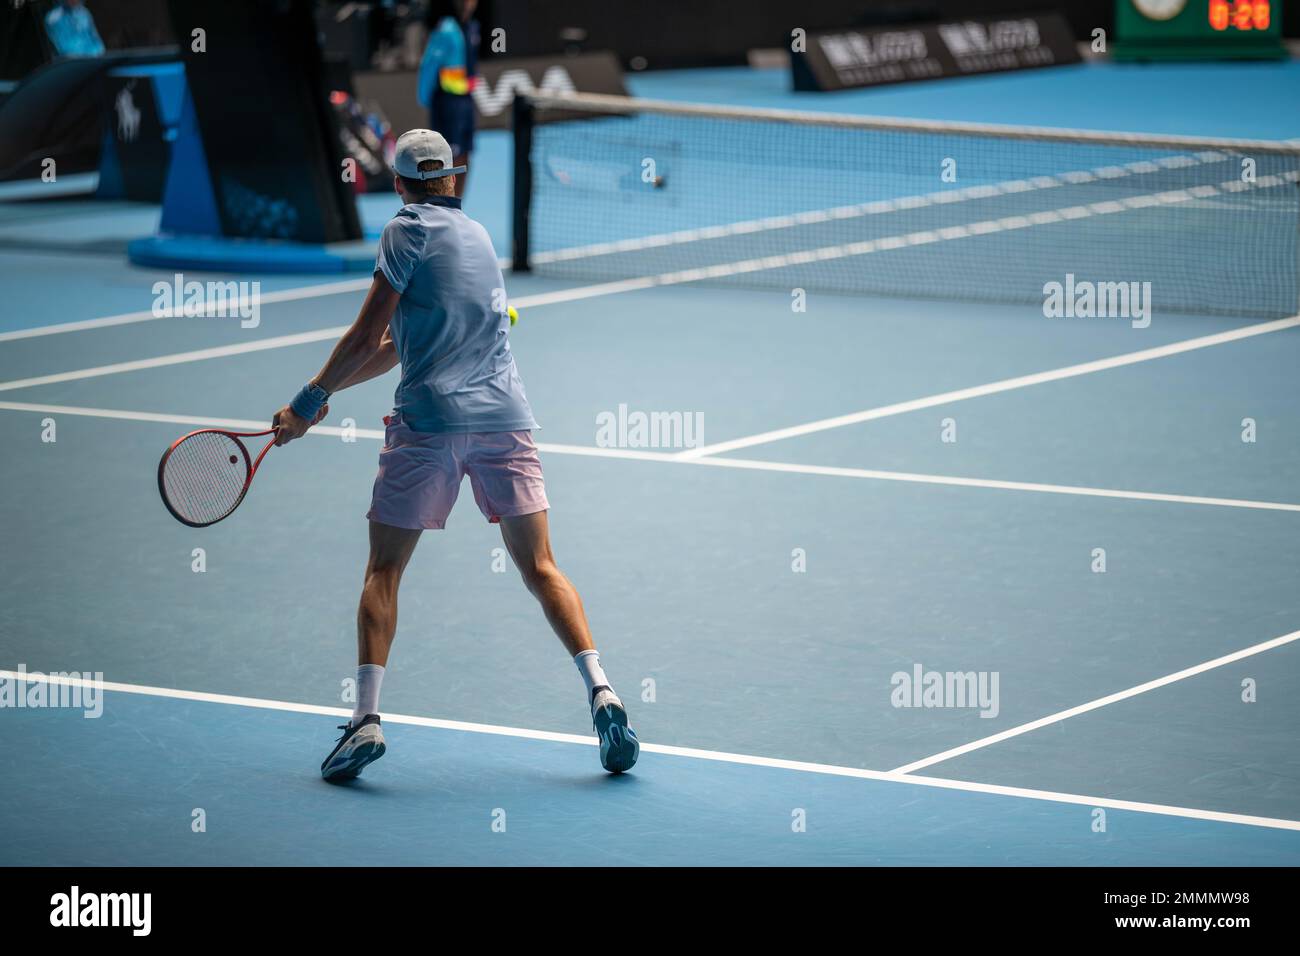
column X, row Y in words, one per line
column 754, row 599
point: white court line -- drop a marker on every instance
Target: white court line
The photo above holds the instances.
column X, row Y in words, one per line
column 1099, row 702
column 177, row 358
column 331, row 431
column 283, row 341
column 280, row 341
column 127, row 318
column 70, row 185
column 992, row 388
column 245, row 424
column 324, row 289
column 234, row 424
column 264, row 298
column 870, row 473
column 691, row 752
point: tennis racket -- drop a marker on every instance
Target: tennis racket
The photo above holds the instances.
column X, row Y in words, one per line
column 205, row 475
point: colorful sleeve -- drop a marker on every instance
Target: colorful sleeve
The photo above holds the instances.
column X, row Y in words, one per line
column 436, row 52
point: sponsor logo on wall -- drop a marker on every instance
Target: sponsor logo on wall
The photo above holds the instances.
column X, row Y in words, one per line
column 843, row 59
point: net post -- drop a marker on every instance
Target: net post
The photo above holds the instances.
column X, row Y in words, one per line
column 522, row 119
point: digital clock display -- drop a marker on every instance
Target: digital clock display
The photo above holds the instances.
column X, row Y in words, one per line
column 1240, row 15
column 1199, row 30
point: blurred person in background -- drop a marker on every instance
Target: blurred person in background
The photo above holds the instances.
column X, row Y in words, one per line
column 448, row 71
column 71, row 29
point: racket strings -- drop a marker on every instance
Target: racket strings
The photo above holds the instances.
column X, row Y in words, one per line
column 204, row 477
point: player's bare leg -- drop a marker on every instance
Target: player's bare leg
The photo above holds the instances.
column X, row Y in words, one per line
column 362, row 742
column 390, row 551
column 527, row 538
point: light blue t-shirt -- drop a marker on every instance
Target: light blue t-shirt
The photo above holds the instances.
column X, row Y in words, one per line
column 450, row 327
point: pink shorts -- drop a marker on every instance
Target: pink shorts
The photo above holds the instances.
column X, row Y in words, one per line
column 420, row 475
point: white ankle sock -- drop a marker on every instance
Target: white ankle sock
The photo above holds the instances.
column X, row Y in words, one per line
column 589, row 667
column 369, row 679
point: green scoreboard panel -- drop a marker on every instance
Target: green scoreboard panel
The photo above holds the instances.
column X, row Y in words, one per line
column 1198, row 29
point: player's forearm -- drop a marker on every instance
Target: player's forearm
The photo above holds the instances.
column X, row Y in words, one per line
column 379, row 363
column 354, row 351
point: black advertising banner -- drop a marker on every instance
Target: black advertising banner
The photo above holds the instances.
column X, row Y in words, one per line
column 24, row 44
column 269, row 133
column 874, row 56
column 137, row 137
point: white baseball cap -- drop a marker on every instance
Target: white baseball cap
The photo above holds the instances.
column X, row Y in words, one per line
column 416, row 146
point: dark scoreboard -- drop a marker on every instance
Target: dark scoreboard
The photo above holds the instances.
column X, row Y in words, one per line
column 1198, row 29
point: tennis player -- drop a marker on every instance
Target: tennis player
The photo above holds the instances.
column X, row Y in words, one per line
column 437, row 307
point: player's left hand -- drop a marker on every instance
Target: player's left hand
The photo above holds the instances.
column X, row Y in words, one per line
column 289, row 425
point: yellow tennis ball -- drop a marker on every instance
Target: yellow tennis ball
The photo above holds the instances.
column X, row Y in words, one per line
column 514, row 316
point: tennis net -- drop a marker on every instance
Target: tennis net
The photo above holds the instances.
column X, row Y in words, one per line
column 616, row 189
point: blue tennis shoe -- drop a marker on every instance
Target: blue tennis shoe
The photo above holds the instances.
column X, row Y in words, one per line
column 618, row 744
column 359, row 746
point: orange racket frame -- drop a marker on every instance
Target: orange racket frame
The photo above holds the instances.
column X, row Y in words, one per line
column 252, row 469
